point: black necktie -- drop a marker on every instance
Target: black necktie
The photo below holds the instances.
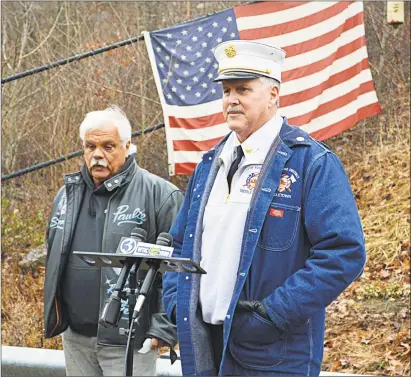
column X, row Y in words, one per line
column 234, row 165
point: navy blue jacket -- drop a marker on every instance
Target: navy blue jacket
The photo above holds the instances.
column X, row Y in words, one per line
column 303, row 244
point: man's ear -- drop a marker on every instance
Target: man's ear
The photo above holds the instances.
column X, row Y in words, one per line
column 127, row 147
column 274, row 96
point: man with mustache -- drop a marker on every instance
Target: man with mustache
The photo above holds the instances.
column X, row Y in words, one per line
column 84, row 217
column 270, row 215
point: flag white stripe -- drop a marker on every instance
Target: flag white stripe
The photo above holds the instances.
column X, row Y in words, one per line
column 340, row 65
column 328, row 95
column 341, row 113
column 283, row 16
column 314, row 31
column 199, row 134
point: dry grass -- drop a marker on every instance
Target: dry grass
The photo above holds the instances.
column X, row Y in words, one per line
column 368, row 330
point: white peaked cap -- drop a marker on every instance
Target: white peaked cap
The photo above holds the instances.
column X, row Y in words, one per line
column 241, row 59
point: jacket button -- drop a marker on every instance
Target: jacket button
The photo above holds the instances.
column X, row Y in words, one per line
column 77, row 178
column 228, row 316
column 185, row 319
column 109, row 184
column 299, row 138
column 187, row 278
column 242, row 273
column 116, row 181
column 191, row 235
column 69, row 179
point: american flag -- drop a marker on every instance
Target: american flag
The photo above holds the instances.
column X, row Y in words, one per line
column 327, row 85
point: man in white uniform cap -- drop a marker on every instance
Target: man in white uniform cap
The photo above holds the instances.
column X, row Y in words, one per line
column 270, row 215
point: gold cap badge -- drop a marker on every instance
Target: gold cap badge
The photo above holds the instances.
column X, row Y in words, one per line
column 230, row 51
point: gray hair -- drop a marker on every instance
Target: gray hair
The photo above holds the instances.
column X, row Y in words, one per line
column 268, row 83
column 111, row 116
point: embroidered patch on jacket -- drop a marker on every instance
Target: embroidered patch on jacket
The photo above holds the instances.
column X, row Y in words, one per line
column 125, row 215
column 251, row 181
column 275, row 212
column 285, row 183
column 288, row 177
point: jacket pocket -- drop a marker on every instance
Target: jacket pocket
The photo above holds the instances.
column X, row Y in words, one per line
column 256, row 342
column 280, row 227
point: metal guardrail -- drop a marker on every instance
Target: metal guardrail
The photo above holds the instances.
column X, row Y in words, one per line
column 41, row 362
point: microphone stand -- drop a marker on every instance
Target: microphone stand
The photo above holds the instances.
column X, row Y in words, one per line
column 131, row 305
column 137, row 305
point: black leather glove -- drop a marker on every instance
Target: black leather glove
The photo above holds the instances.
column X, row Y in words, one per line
column 162, row 329
column 253, row 306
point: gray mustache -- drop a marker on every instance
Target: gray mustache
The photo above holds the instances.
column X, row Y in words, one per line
column 95, row 162
column 235, row 111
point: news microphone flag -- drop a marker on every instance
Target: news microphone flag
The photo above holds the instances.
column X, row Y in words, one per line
column 327, row 85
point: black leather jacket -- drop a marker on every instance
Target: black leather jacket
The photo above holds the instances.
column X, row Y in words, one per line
column 141, row 199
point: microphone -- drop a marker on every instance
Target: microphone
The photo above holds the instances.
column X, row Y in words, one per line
column 163, row 239
column 110, row 315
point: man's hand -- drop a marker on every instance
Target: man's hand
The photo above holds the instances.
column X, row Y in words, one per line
column 158, row 343
column 253, row 306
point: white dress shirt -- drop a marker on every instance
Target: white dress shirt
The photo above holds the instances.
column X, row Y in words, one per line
column 224, row 219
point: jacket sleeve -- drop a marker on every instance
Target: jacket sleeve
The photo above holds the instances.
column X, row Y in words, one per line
column 337, row 253
column 161, row 327
column 177, row 231
column 50, row 233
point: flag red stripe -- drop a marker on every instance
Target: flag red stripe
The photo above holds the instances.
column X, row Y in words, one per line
column 338, row 78
column 196, row 123
column 320, row 65
column 195, row 146
column 297, row 24
column 268, row 7
column 333, row 105
column 184, row 168
column 347, row 123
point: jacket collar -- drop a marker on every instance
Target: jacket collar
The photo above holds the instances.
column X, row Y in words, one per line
column 290, row 135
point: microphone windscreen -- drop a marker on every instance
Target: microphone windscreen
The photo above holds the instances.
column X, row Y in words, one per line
column 164, row 239
column 139, row 233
